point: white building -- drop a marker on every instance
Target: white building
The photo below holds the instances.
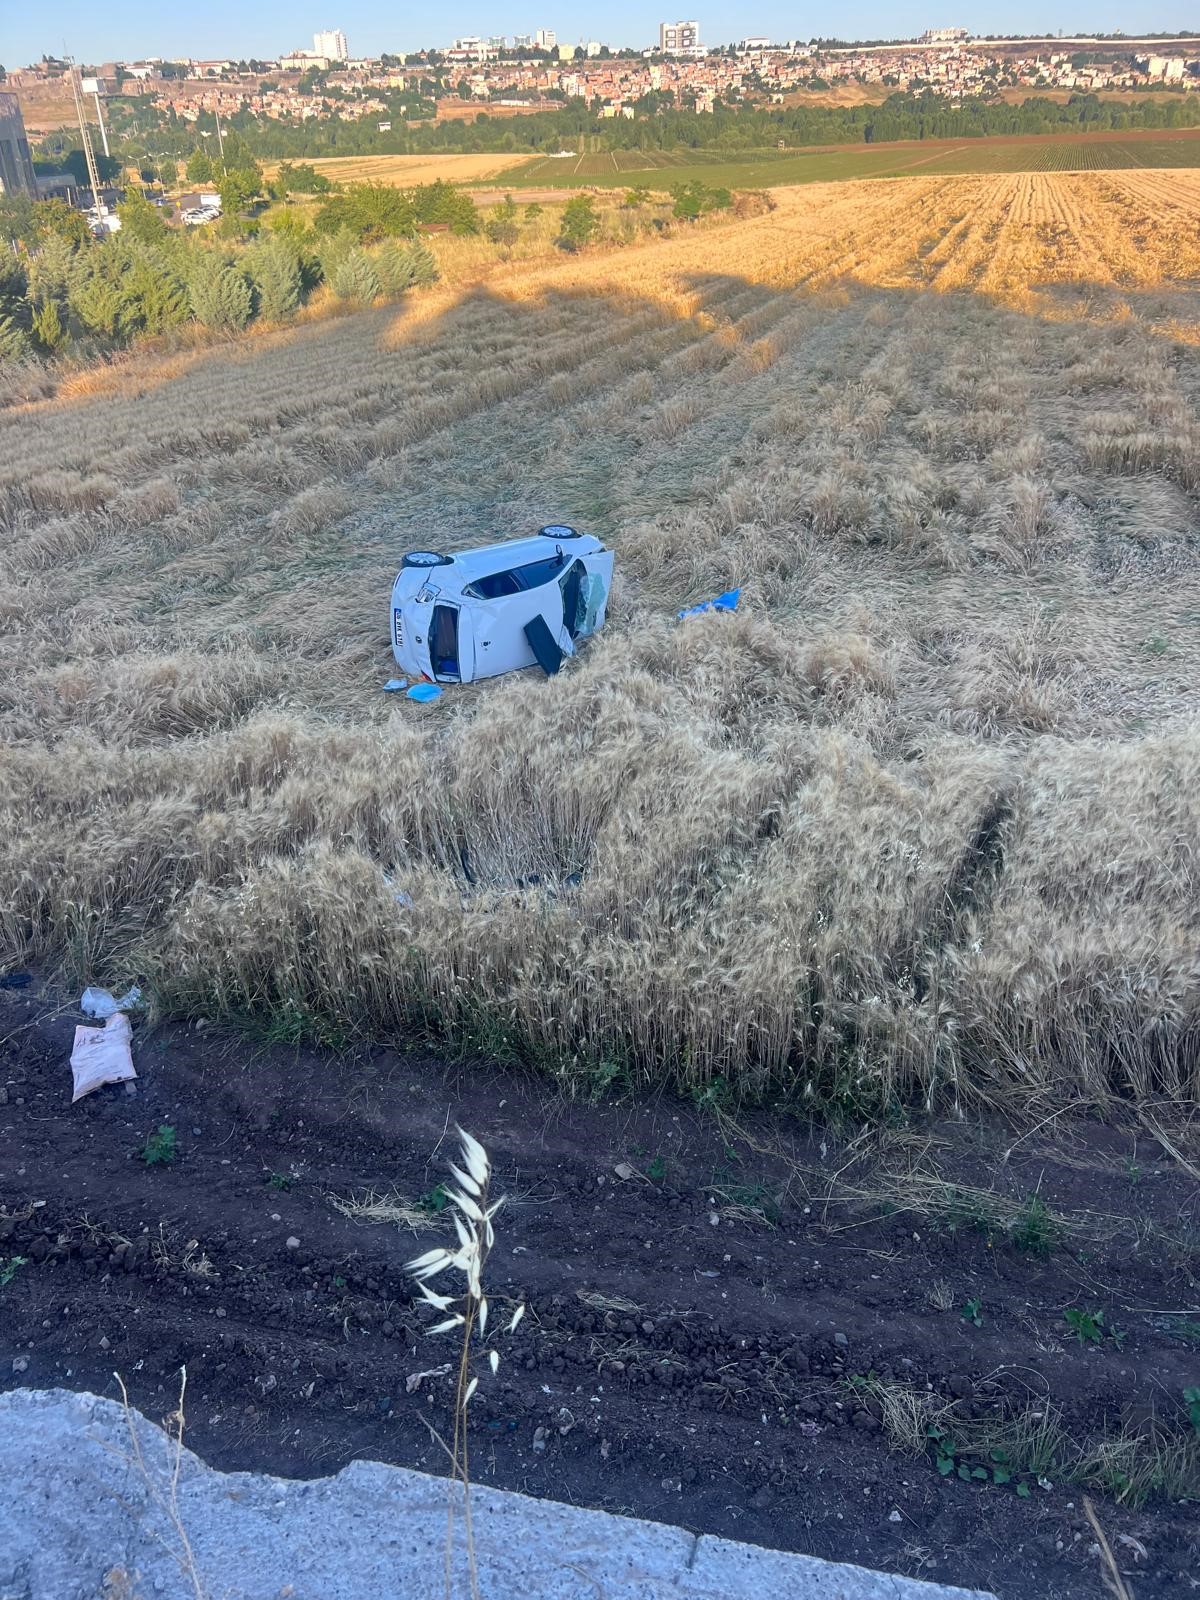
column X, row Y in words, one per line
column 676, row 38
column 545, row 39
column 304, row 61
column 331, row 43
column 943, row 35
column 593, row 48
column 1168, row 68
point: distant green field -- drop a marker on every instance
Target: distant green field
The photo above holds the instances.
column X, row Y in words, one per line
column 760, row 169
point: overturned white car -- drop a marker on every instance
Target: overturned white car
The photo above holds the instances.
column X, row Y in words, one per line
column 501, row 607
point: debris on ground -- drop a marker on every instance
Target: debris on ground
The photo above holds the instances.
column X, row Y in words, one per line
column 394, row 685
column 722, row 602
column 101, row 1055
column 423, row 692
column 99, row 1003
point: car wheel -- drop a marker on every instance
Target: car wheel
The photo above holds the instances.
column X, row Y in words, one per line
column 426, row 558
column 558, row 530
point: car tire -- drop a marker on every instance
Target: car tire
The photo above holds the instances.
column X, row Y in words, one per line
column 426, row 558
column 559, row 530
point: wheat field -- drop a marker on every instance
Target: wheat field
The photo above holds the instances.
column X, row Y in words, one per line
column 920, row 823
column 406, row 171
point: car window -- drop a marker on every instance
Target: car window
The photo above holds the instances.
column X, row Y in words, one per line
column 517, row 579
column 493, row 585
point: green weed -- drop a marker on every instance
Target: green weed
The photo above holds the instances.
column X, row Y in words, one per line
column 972, row 1312
column 10, row 1269
column 608, row 1080
column 1087, row 1326
column 433, row 1200
column 1035, row 1230
column 159, row 1149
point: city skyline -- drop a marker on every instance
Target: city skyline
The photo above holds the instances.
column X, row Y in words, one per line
column 225, row 29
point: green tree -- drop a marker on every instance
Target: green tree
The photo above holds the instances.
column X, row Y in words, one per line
column 108, row 168
column 274, row 267
column 220, row 295
column 395, row 268
column 502, row 233
column 141, row 220
column 289, row 223
column 532, row 210
column 371, row 211
column 157, row 294
column 237, row 188
column 333, row 250
column 354, row 278
column 50, row 268
column 424, row 264
column 302, row 179
column 199, row 167
column 49, row 329
column 99, row 302
column 579, row 223
column 56, row 216
column 442, row 202
column 14, row 341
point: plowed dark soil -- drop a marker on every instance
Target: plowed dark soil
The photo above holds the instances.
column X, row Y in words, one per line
column 706, row 1323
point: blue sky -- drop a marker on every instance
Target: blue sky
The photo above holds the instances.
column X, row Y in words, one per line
column 130, row 28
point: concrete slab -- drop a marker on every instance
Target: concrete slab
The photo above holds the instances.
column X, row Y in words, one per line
column 95, row 1505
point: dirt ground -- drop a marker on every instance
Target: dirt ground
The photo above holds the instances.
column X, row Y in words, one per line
column 706, row 1323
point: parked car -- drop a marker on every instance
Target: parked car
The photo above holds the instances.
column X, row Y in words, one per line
column 498, row 608
column 199, row 215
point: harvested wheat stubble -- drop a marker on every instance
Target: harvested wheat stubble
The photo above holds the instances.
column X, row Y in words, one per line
column 919, row 822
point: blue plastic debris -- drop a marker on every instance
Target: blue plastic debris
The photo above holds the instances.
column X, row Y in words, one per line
column 394, row 685
column 424, row 691
column 723, row 602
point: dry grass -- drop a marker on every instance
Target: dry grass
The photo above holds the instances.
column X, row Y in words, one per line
column 388, row 1207
column 920, row 822
column 1132, row 1463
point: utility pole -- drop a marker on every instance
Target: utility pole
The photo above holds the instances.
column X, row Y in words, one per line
column 220, row 139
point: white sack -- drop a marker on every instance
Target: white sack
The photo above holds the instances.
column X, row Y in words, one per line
column 101, row 1055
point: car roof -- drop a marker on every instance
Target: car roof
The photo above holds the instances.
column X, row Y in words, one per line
column 485, row 559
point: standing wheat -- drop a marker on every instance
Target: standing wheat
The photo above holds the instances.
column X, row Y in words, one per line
column 472, row 1217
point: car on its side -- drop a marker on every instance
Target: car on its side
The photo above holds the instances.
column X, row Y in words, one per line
column 499, row 607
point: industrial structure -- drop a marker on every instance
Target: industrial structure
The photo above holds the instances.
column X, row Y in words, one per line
column 16, row 164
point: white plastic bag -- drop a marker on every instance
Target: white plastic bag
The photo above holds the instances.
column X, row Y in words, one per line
column 100, row 1004
column 101, row 1055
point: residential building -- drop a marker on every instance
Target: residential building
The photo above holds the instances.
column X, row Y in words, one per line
column 16, row 165
column 943, row 35
column 676, row 38
column 545, row 39
column 331, row 43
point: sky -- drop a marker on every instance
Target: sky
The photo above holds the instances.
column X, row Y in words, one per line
column 127, row 29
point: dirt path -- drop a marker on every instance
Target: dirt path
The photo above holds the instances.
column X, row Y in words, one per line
column 707, row 1333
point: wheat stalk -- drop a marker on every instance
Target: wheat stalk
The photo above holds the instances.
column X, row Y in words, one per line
column 468, row 1311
